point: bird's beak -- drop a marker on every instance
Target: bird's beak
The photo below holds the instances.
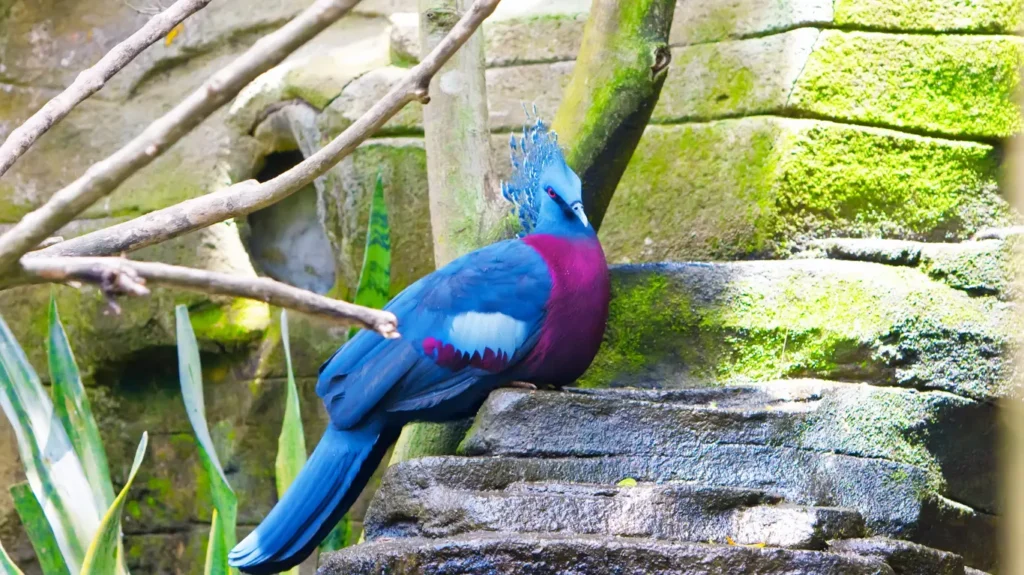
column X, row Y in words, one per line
column 577, row 208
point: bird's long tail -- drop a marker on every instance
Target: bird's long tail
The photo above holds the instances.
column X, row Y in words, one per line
column 328, row 484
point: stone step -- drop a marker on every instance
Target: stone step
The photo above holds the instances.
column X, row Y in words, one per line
column 904, row 557
column 946, row 439
column 536, row 554
column 885, row 493
column 409, row 504
column 909, row 461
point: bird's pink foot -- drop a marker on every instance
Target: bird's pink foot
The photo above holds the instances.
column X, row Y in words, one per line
column 523, row 385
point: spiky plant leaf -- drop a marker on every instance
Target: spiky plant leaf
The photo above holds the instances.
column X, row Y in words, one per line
column 72, row 407
column 104, row 554
column 38, row 530
column 291, row 444
column 224, row 501
column 374, row 288
column 7, row 567
column 52, row 467
column 215, row 548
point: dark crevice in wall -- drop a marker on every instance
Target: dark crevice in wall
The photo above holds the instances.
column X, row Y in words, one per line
column 286, row 240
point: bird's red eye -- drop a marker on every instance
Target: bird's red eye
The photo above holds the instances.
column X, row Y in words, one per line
column 550, row 191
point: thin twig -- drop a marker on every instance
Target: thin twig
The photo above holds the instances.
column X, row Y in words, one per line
column 246, row 197
column 103, row 177
column 119, row 276
column 91, row 80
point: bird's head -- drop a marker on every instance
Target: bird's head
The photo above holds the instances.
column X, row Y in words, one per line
column 546, row 192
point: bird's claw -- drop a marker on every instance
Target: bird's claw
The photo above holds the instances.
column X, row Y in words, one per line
column 523, row 385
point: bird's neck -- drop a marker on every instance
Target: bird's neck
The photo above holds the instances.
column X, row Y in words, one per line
column 563, row 229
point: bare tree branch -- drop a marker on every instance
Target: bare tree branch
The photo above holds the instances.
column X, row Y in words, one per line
column 246, row 197
column 103, row 177
column 119, row 276
column 91, row 80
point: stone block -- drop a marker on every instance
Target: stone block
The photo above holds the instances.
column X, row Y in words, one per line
column 954, row 85
column 503, row 554
column 684, row 325
column 904, row 557
column 717, row 20
column 947, row 436
column 695, row 23
column 763, row 185
column 978, row 16
column 735, row 78
column 413, row 507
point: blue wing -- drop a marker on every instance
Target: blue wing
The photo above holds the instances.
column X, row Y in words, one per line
column 473, row 319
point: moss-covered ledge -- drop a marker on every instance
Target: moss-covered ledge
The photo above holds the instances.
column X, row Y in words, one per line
column 676, row 325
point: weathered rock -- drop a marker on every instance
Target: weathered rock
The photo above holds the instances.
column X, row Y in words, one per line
column 517, row 33
column 948, row 437
column 405, row 507
column 685, row 325
column 961, row 86
column 347, row 191
column 977, row 267
column 511, row 88
column 883, row 80
column 990, row 16
column 316, row 73
column 736, row 188
column 904, row 557
column 737, row 78
column 885, row 493
column 543, row 555
column 508, row 89
column 724, row 19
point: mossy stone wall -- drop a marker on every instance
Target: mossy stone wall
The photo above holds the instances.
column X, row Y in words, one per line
column 780, row 123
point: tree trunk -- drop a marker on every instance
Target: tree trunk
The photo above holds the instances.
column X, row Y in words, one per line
column 465, row 198
column 466, row 207
column 619, row 73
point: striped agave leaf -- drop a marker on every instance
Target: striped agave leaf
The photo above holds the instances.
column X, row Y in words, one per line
column 38, row 530
column 291, row 444
column 374, row 288
column 7, row 566
column 72, row 407
column 105, row 553
column 54, row 471
column 223, row 537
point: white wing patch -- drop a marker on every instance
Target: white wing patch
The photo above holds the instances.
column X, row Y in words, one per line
column 474, row 332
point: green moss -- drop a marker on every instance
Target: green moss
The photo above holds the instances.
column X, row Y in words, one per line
column 988, row 16
column 241, row 321
column 645, row 315
column 951, row 85
column 982, row 268
column 697, row 325
column 873, row 181
column 762, row 185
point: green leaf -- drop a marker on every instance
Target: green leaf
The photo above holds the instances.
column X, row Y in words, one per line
column 72, row 407
column 38, row 529
column 291, row 444
column 104, row 554
column 216, row 549
column 627, row 482
column 52, row 467
column 375, row 277
column 7, row 567
column 190, row 374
